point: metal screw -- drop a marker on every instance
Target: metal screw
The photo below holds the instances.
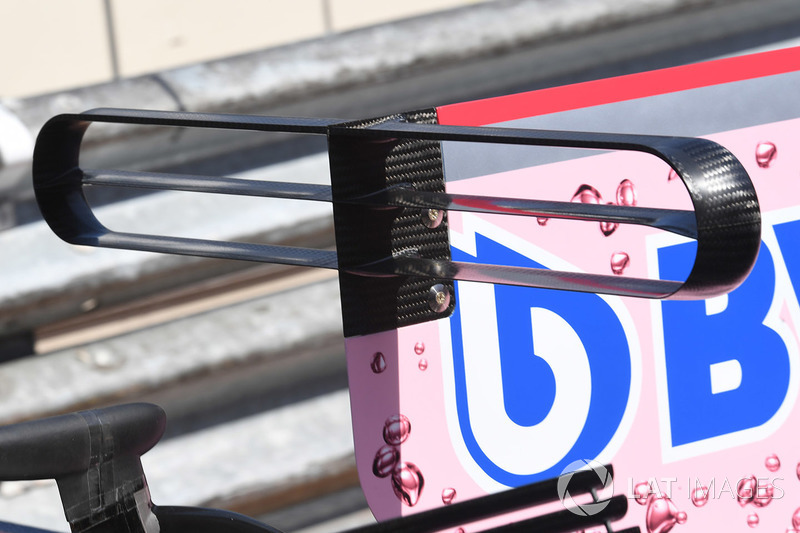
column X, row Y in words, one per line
column 433, row 217
column 438, row 298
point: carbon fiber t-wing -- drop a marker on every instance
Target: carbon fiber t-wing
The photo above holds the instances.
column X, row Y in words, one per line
column 386, row 176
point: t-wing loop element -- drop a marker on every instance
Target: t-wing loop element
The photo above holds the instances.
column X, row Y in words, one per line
column 382, row 170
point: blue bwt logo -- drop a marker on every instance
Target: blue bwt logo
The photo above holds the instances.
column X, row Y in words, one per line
column 727, row 363
column 542, row 377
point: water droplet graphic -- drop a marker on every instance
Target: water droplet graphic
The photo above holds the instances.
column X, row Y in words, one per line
column 460, row 530
column 752, row 520
column 773, row 463
column 542, row 221
column 796, row 519
column 641, row 491
column 423, row 364
column 681, row 517
column 619, row 262
column 448, row 495
column 419, row 348
column 765, row 154
column 797, row 471
column 586, row 194
column 606, row 227
column 746, row 490
column 626, row 193
column 764, row 494
column 407, row 483
column 661, row 515
column 378, row 363
column 385, row 460
column 700, row 496
column 673, row 175
column 396, row 429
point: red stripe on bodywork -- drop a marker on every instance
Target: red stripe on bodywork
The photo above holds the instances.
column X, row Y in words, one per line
column 619, row 89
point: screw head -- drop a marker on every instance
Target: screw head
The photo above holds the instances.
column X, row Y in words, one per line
column 438, row 298
column 433, row 217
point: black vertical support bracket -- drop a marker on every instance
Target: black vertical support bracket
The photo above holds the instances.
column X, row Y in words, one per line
column 366, row 234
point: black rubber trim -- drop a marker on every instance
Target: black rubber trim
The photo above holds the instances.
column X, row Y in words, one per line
column 94, row 458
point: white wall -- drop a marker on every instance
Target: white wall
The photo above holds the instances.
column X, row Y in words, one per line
column 51, row 45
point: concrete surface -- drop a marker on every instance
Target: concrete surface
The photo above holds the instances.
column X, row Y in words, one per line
column 168, row 355
column 45, row 279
